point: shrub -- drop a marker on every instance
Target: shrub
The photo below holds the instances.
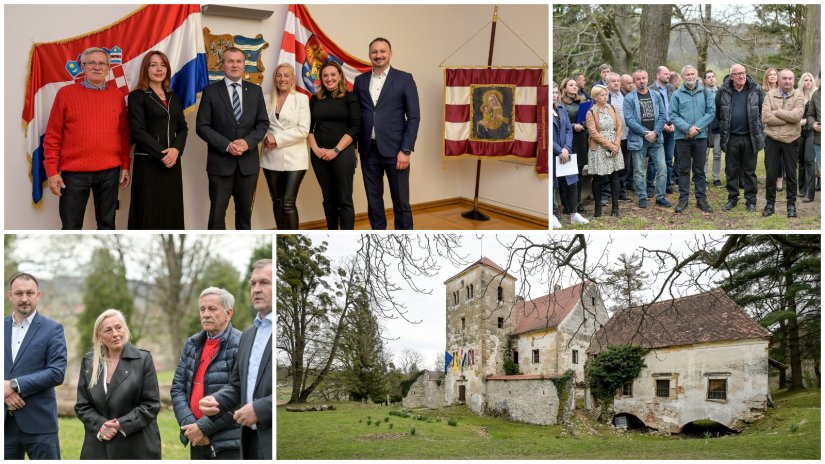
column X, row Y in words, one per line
column 607, row 371
column 391, row 425
column 369, row 421
column 412, row 430
column 452, row 422
column 387, row 419
column 510, row 368
column 793, row 428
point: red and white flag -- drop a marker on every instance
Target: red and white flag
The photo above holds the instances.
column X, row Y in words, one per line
column 491, row 112
column 306, row 45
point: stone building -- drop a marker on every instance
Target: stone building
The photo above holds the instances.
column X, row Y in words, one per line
column 708, row 360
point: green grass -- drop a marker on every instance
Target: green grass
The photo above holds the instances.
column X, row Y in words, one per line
column 631, row 217
column 339, row 435
column 71, row 437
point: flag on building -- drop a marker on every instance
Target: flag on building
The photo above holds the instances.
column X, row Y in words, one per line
column 173, row 29
column 491, row 112
column 448, row 360
column 306, row 45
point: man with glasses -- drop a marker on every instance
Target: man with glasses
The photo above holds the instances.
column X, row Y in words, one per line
column 86, row 145
column 741, row 133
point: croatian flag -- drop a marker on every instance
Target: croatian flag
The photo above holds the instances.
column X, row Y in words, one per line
column 491, row 112
column 306, row 45
column 173, row 29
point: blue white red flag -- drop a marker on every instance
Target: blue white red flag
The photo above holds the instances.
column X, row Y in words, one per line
column 306, row 45
column 448, row 361
column 173, row 29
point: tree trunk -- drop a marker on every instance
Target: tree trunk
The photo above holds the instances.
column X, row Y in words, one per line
column 783, row 350
column 811, row 43
column 817, row 373
column 655, row 37
column 794, row 349
column 702, row 60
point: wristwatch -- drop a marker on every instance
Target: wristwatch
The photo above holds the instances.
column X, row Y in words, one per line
column 336, row 150
column 406, row 151
column 14, row 385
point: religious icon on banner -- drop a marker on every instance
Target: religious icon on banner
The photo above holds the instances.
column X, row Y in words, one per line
column 492, row 109
column 252, row 48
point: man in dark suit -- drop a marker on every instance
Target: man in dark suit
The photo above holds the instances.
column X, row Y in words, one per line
column 389, row 127
column 232, row 120
column 250, row 383
column 35, row 363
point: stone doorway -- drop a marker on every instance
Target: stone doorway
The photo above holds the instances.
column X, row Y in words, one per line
column 462, row 392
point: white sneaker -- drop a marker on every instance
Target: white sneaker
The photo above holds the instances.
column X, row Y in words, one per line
column 577, row 218
column 556, row 223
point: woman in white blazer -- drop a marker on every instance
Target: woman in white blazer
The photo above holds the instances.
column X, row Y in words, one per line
column 285, row 158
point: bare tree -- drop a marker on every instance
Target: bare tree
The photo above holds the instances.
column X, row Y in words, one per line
column 654, row 36
column 410, row 361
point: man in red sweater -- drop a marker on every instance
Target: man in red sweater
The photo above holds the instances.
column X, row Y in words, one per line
column 87, row 145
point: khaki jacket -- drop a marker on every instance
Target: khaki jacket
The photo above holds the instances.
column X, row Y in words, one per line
column 596, row 137
column 781, row 116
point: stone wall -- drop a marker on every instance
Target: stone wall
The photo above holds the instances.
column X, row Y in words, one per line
column 534, row 401
column 425, row 393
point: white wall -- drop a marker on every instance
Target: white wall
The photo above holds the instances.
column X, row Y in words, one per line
column 422, row 37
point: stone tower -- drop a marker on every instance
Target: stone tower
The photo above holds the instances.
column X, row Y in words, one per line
column 480, row 319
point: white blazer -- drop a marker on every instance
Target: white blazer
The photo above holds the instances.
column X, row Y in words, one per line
column 290, row 130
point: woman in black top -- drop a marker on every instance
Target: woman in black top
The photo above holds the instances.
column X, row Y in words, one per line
column 336, row 120
column 159, row 132
column 571, row 99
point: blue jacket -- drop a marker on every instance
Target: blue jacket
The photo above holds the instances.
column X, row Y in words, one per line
column 395, row 117
column 223, row 432
column 692, row 108
column 40, row 366
column 562, row 132
column 633, row 119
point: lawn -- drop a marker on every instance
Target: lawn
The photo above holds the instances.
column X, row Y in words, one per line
column 631, row 217
column 71, row 437
column 791, row 431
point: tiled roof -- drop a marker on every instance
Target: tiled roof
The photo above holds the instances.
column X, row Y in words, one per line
column 706, row 317
column 486, row 262
column 548, row 311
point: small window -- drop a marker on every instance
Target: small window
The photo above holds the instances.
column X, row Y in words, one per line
column 501, row 323
column 592, row 301
column 515, row 357
column 535, row 356
column 455, row 297
column 500, row 293
column 663, row 388
column 471, row 290
column 575, row 356
column 627, row 389
column 717, row 389
column 462, row 323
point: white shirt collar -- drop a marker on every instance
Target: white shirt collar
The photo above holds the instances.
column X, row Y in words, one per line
column 383, row 74
column 27, row 321
column 229, row 81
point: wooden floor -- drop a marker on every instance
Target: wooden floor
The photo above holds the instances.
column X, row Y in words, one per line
column 447, row 216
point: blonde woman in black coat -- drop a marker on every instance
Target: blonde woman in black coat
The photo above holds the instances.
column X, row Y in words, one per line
column 117, row 395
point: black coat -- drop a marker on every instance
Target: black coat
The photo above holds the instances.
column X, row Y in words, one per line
column 223, row 432
column 133, row 398
column 155, row 128
column 724, row 99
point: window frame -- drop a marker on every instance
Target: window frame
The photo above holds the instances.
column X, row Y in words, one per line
column 658, row 395
column 627, row 389
column 536, row 356
column 575, row 356
column 724, row 392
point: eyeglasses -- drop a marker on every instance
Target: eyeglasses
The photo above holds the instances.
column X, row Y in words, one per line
column 95, row 64
column 737, row 74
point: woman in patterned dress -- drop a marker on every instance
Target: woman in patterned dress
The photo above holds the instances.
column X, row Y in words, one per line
column 605, row 153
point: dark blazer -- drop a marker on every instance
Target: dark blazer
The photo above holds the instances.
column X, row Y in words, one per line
column 133, row 399
column 216, row 125
column 395, row 116
column 155, row 128
column 39, row 367
column 224, row 432
column 233, row 395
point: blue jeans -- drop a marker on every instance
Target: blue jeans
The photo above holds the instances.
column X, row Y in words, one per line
column 670, row 148
column 817, row 149
column 656, row 153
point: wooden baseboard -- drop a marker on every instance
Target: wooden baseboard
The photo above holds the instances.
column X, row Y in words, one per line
column 422, row 207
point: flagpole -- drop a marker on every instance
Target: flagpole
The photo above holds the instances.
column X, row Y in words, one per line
column 475, row 214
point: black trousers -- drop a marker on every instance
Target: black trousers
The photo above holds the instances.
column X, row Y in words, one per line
column 197, row 453
column 335, row 178
column 373, row 168
column 780, row 154
column 252, row 449
column 569, row 195
column 17, row 443
column 613, row 180
column 691, row 156
column 237, row 186
column 807, row 165
column 75, row 196
column 740, row 168
column 283, row 189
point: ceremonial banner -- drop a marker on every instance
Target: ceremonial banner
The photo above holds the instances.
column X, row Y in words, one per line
column 491, row 112
column 251, row 47
column 448, row 360
column 173, row 29
column 306, row 45
column 542, row 158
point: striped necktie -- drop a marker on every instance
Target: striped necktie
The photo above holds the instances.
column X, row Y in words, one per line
column 236, row 102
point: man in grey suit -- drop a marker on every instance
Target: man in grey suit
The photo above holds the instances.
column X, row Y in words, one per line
column 250, row 384
column 232, row 120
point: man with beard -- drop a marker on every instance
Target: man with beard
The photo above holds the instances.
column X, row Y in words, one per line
column 35, row 363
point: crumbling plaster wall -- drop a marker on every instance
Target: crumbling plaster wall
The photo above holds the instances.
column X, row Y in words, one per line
column 534, row 401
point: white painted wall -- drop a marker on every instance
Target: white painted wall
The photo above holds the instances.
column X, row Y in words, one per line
column 745, row 360
column 422, row 37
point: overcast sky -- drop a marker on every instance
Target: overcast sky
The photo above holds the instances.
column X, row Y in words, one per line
column 428, row 337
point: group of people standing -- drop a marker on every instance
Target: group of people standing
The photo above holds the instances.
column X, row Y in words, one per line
column 221, row 391
column 651, row 138
column 91, row 129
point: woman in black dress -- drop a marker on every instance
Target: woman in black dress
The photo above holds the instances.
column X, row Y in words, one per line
column 336, row 120
column 159, row 133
